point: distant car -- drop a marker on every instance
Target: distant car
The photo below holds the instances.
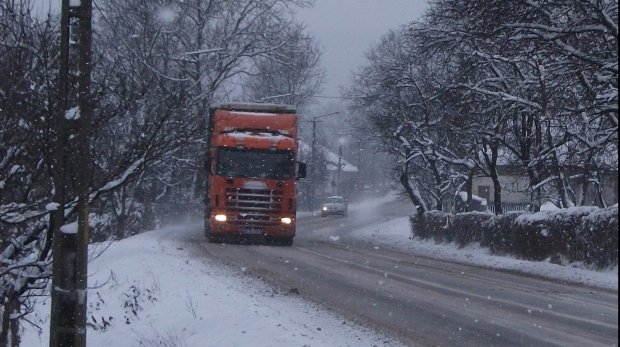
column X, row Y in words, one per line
column 334, row 205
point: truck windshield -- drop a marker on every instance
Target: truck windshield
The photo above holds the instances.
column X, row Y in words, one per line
column 255, row 163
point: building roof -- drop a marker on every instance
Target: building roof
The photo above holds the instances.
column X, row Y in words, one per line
column 331, row 157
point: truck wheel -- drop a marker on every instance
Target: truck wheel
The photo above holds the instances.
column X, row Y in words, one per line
column 287, row 241
column 211, row 238
column 283, row 241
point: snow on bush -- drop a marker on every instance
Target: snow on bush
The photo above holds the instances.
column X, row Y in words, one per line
column 499, row 232
column 597, row 238
column 432, row 224
column 551, row 233
column 585, row 234
column 467, row 227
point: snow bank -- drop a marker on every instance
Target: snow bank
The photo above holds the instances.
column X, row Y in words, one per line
column 148, row 290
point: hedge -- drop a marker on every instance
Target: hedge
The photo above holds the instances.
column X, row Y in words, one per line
column 547, row 234
column 597, row 238
column 586, row 234
column 468, row 227
column 432, row 224
column 499, row 232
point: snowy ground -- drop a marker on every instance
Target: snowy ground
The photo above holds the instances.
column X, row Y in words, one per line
column 476, row 255
column 396, row 233
column 145, row 291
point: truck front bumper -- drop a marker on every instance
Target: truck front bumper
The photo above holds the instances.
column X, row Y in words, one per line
column 236, row 228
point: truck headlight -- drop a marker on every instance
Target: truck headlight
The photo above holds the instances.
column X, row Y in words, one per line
column 286, row 220
column 324, row 208
column 220, row 217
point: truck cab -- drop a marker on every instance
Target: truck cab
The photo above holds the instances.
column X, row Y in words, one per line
column 252, row 171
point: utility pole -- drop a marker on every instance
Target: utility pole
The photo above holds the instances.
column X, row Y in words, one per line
column 339, row 189
column 70, row 244
column 313, row 158
column 341, row 141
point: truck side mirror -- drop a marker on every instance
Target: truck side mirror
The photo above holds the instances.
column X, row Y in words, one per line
column 301, row 172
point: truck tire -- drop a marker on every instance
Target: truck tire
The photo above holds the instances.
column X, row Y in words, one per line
column 210, row 237
column 285, row 241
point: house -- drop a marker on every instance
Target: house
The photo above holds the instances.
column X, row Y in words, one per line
column 339, row 174
column 515, row 185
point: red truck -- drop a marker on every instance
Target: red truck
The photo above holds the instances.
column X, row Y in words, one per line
column 252, row 171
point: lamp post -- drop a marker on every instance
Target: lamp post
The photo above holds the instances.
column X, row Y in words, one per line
column 310, row 192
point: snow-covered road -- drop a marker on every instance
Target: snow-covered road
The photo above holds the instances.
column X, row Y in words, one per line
column 423, row 299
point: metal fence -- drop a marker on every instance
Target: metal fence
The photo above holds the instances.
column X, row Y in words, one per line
column 513, row 206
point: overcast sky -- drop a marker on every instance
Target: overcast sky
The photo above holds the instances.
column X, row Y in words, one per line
column 345, row 30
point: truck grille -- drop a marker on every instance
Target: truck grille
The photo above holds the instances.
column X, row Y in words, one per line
column 254, row 208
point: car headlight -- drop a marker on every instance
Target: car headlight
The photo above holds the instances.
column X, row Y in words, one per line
column 220, row 217
column 324, row 208
column 286, row 220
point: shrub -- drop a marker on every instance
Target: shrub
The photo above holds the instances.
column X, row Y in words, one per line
column 438, row 224
column 498, row 232
column 468, row 227
column 584, row 233
column 564, row 225
column 597, row 238
column 432, row 224
column 418, row 229
column 548, row 233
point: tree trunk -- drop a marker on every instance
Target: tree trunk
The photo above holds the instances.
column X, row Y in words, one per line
column 415, row 197
column 9, row 336
column 497, row 187
column 497, row 194
column 557, row 171
column 470, row 186
column 437, row 177
column 584, row 187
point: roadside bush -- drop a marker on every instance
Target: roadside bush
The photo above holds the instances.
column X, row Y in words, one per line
column 547, row 234
column 564, row 225
column 468, row 227
column 498, row 232
column 532, row 238
column 439, row 225
column 416, row 224
column 586, row 233
column 597, row 238
column 432, row 224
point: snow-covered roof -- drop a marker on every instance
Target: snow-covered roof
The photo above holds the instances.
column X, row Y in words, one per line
column 331, row 157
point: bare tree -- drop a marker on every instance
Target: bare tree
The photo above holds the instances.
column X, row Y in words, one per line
column 145, row 117
column 291, row 75
column 27, row 58
column 512, row 81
